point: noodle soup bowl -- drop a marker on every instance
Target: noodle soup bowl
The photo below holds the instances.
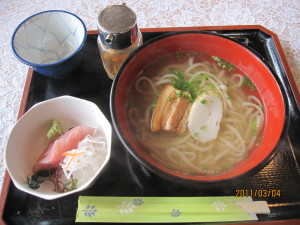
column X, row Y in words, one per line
column 268, row 103
column 28, row 140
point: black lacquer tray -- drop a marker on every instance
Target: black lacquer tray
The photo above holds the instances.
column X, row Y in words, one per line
column 124, row 176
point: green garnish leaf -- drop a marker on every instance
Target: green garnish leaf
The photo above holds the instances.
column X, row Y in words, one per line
column 249, row 83
column 169, row 98
column 203, row 101
column 202, row 127
column 71, row 185
column 34, row 181
column 55, row 130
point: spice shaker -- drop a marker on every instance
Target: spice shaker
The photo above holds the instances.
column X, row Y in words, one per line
column 118, row 36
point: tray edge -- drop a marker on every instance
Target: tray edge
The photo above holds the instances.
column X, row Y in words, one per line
column 22, row 109
column 7, row 179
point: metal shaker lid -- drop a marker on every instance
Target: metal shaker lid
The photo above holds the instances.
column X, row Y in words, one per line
column 117, row 26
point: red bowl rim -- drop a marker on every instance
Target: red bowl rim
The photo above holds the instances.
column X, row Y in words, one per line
column 182, row 178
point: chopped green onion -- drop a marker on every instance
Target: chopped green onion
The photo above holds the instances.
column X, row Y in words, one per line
column 245, row 155
column 229, row 166
column 249, row 83
column 254, row 127
column 153, row 104
column 224, row 64
column 185, row 86
column 258, row 141
column 205, row 76
column 177, row 55
column 210, row 86
column 178, row 93
column 188, row 53
column 184, row 95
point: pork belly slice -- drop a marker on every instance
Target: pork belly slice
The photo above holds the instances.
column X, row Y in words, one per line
column 182, row 127
column 170, row 112
column 176, row 118
column 163, row 104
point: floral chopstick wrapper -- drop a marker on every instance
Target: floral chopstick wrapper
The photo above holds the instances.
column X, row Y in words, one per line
column 168, row 209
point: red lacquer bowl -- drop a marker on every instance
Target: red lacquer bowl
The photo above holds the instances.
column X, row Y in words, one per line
column 269, row 86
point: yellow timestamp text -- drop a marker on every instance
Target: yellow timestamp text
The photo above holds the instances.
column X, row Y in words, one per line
column 260, row 193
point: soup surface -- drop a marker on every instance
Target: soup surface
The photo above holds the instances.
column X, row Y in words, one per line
column 196, row 114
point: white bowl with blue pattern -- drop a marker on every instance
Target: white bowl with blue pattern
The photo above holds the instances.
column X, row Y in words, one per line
column 51, row 42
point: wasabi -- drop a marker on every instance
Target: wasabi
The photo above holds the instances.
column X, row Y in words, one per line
column 55, row 130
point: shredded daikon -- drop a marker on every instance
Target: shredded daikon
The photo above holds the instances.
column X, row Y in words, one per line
column 87, row 153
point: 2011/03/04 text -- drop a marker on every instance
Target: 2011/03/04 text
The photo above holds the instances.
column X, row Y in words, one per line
column 261, row 193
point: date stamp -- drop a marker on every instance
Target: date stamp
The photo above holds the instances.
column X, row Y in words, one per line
column 260, row 193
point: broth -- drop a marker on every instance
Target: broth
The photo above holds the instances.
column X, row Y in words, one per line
column 240, row 129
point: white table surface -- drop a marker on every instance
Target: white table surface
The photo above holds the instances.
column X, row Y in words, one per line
column 281, row 17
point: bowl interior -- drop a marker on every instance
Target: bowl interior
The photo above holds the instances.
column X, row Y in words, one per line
column 28, row 139
column 48, row 37
column 238, row 55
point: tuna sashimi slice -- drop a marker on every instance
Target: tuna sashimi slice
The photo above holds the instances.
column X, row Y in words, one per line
column 53, row 154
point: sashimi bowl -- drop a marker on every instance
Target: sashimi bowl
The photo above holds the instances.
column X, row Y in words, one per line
column 199, row 108
column 58, row 147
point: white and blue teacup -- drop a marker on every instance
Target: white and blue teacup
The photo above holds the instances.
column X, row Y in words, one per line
column 51, row 42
